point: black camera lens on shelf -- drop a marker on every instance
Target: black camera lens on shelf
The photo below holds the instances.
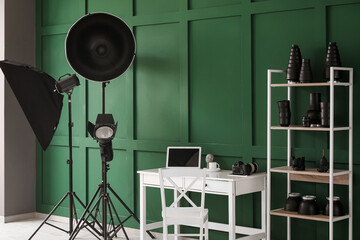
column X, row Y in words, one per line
column 338, row 207
column 292, row 202
column 298, row 164
column 325, row 114
column 284, row 113
column 306, row 121
column 314, row 108
column 294, row 65
column 239, row 168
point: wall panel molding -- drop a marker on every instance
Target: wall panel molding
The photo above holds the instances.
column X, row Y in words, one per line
column 199, row 78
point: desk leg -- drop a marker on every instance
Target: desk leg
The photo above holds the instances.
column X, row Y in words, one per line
column 232, row 210
column 263, row 208
column 142, row 208
column 176, row 227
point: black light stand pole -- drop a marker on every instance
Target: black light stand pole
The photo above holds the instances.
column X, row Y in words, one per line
column 70, row 162
column 71, row 194
column 103, row 96
column 105, row 197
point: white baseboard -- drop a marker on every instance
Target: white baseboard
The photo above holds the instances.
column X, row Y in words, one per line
column 52, row 217
column 17, row 217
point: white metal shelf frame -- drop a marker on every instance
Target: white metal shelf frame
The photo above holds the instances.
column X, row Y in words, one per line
column 331, row 84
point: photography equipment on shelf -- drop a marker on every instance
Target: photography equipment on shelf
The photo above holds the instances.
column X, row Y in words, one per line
column 305, row 72
column 308, row 205
column 338, row 208
column 298, row 164
column 314, row 109
column 101, row 47
column 332, row 60
column 306, row 121
column 294, row 65
column 284, row 113
column 239, row 168
column 324, row 165
column 325, row 114
column 292, row 202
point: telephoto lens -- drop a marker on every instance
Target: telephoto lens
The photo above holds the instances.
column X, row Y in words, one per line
column 284, row 113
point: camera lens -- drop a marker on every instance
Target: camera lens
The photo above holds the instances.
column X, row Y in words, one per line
column 254, row 167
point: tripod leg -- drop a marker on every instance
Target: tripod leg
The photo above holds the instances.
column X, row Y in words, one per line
column 111, row 218
column 94, row 218
column 82, row 220
column 118, row 218
column 74, row 211
column 129, row 210
column 48, row 216
column 97, row 210
column 87, row 227
column 85, row 211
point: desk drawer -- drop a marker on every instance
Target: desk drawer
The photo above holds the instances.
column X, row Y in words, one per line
column 250, row 185
column 154, row 180
column 211, row 186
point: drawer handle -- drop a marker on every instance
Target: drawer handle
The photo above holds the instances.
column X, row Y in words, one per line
column 206, row 185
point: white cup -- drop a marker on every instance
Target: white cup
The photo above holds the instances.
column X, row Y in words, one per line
column 213, row 166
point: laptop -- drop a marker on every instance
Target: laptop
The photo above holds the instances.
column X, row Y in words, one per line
column 183, row 157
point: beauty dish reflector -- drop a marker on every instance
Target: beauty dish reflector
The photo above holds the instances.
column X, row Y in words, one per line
column 100, row 47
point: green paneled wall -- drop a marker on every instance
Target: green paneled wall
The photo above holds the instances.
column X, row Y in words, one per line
column 199, row 78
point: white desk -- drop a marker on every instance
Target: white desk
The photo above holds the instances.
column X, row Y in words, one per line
column 219, row 183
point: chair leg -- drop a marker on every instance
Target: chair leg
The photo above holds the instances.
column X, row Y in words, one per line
column 201, row 231
column 165, row 231
column 206, row 230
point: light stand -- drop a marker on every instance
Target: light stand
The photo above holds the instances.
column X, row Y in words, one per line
column 66, row 85
column 104, row 131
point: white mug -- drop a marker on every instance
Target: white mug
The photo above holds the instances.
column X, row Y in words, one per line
column 213, row 166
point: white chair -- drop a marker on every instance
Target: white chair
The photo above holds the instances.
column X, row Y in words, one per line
column 174, row 214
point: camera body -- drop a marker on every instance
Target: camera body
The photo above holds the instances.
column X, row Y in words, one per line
column 239, row 168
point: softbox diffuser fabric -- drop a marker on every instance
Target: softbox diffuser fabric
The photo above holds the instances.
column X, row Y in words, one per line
column 35, row 93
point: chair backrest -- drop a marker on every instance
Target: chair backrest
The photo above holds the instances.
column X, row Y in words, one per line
column 172, row 176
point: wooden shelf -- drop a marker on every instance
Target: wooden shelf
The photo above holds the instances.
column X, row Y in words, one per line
column 320, row 84
column 298, row 127
column 341, row 177
column 319, row 217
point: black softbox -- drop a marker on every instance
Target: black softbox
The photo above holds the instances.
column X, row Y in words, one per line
column 35, row 93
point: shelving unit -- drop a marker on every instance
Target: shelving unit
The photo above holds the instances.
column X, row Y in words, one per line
column 333, row 176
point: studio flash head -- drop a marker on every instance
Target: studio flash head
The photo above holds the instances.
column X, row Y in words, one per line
column 65, row 85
